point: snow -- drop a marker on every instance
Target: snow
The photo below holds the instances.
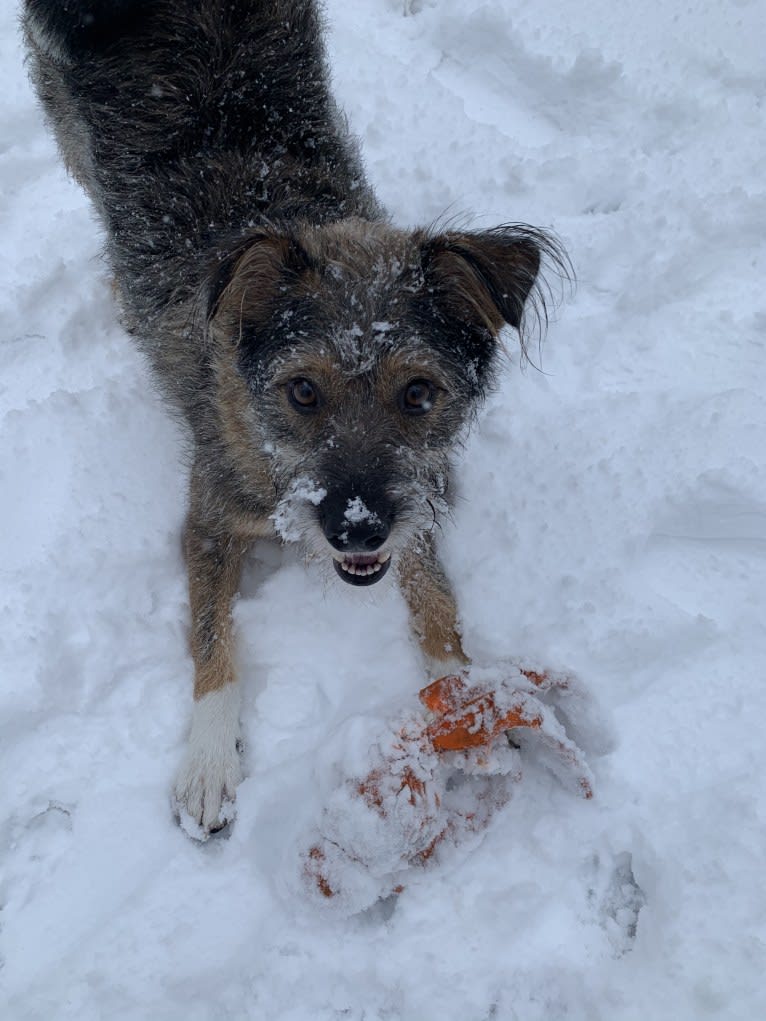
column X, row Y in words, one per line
column 292, row 516
column 612, row 519
column 357, row 511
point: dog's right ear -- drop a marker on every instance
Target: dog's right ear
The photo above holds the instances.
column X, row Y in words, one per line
column 491, row 278
column 246, row 282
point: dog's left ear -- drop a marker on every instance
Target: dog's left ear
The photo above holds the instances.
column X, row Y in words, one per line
column 254, row 269
column 485, row 278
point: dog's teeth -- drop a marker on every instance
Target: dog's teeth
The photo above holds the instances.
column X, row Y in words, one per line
column 361, row 569
column 383, row 557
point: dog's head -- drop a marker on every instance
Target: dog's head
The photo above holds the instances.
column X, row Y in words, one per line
column 358, row 354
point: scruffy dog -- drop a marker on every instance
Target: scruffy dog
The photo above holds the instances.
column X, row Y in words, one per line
column 327, row 363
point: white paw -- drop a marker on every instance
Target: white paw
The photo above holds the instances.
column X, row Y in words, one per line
column 207, row 781
column 205, row 790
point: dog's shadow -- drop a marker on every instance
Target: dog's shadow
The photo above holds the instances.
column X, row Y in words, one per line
column 264, row 558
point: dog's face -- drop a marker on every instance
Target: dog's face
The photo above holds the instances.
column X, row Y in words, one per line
column 362, row 353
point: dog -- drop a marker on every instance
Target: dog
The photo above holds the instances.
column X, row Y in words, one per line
column 326, row 362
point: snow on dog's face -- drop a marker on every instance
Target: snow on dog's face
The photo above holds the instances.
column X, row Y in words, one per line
column 363, row 352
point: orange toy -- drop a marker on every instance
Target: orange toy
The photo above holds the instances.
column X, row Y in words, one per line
column 440, row 773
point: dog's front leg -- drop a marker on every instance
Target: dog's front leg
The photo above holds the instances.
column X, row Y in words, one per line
column 433, row 611
column 207, row 781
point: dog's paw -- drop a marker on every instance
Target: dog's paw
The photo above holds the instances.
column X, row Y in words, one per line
column 204, row 793
column 206, row 784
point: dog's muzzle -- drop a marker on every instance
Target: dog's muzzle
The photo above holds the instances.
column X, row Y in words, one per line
column 357, row 534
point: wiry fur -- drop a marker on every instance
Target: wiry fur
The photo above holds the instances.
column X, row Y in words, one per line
column 250, row 252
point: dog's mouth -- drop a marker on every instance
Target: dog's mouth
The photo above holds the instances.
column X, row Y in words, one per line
column 361, row 568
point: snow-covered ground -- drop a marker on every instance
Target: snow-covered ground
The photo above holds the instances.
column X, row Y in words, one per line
column 613, row 519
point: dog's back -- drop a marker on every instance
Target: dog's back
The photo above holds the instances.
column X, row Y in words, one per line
column 188, row 121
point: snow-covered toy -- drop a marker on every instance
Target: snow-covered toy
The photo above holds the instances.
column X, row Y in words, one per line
column 438, row 772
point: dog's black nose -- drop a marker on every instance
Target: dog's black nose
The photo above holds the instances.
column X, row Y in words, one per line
column 351, row 526
column 358, row 538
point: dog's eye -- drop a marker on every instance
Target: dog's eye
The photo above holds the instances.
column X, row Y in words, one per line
column 417, row 397
column 303, row 395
